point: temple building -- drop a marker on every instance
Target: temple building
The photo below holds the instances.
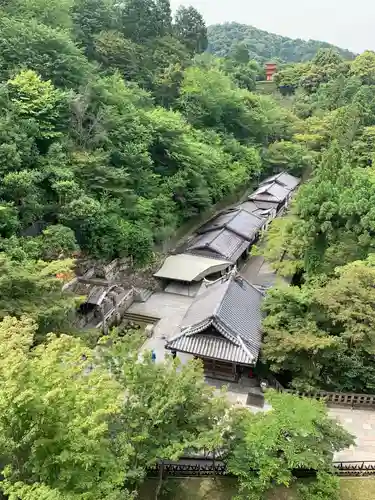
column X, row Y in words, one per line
column 222, row 327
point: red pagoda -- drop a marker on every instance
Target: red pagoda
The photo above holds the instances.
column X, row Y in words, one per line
column 271, row 69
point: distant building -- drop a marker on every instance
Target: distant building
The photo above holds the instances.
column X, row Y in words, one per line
column 271, row 69
column 222, row 327
column 275, row 192
column 226, row 239
column 228, row 236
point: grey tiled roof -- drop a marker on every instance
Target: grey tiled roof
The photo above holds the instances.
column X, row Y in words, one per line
column 213, row 347
column 240, row 221
column 233, row 307
column 246, row 224
column 270, row 192
column 220, row 243
column 218, row 222
column 257, row 208
column 284, row 179
column 276, row 188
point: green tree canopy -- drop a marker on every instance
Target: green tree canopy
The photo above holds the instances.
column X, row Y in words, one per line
column 364, row 67
column 316, row 330
column 76, row 430
column 190, row 29
column 48, row 51
column 295, row 432
column 35, row 289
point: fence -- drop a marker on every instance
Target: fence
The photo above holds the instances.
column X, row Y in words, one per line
column 200, row 467
column 330, row 398
column 125, row 302
column 339, row 398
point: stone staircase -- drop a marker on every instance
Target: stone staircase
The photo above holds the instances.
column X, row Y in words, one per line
column 139, row 318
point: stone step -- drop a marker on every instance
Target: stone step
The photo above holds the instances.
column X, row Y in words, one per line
column 139, row 318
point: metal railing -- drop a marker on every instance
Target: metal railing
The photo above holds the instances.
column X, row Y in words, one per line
column 198, row 467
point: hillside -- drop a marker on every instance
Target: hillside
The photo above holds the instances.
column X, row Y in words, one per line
column 262, row 45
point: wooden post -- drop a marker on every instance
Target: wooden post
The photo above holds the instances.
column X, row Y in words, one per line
column 160, row 483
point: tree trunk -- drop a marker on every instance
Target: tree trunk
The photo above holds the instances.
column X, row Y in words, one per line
column 160, row 483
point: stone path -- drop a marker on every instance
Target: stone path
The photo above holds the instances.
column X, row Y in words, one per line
column 171, row 308
column 361, row 424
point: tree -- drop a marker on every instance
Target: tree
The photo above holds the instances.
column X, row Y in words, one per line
column 35, row 99
column 169, row 409
column 363, row 149
column 79, row 423
column 9, row 223
column 48, row 51
column 23, row 189
column 142, row 20
column 327, row 57
column 240, row 54
column 57, row 241
column 210, row 99
column 316, row 330
column 190, row 29
column 54, row 13
column 364, row 67
column 288, row 156
column 333, row 223
column 91, row 17
column 295, row 433
column 34, row 288
column 264, row 46
column 116, row 52
column 55, row 410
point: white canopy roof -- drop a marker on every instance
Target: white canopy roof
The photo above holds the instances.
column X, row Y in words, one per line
column 186, row 267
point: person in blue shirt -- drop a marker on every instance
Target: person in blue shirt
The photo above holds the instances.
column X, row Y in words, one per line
column 153, row 356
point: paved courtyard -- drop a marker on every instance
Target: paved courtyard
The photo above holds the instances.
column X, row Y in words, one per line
column 361, row 424
column 170, row 308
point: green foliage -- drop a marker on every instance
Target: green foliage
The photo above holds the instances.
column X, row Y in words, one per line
column 319, row 334
column 169, row 408
column 267, row 446
column 325, row 487
column 364, row 67
column 54, row 13
column 54, row 416
column 289, row 156
column 26, row 44
column 334, row 223
column 57, row 241
column 31, row 98
column 263, row 46
column 91, row 17
column 190, row 29
column 33, row 288
column 315, row 331
column 80, row 424
column 85, row 143
column 210, row 99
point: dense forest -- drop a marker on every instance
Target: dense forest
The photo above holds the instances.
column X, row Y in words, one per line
column 113, row 136
column 223, row 40
column 319, row 334
column 117, row 127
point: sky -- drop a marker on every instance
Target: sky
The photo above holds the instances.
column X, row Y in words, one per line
column 345, row 23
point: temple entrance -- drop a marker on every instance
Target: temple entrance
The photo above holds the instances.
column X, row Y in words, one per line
column 220, row 370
